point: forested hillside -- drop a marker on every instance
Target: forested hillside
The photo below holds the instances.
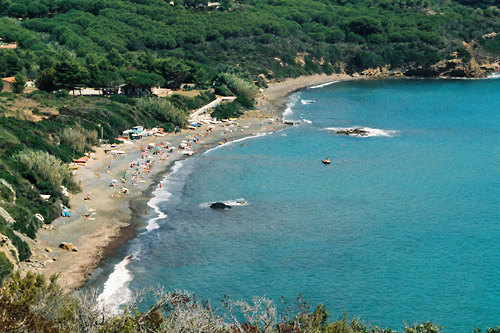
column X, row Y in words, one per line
column 193, row 41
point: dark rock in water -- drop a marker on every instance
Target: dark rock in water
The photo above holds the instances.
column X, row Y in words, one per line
column 352, row 131
column 219, row 205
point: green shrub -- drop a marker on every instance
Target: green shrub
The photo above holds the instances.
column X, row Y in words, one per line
column 185, row 103
column 26, row 223
column 261, row 83
column 122, row 99
column 46, row 166
column 19, row 84
column 6, row 193
column 38, row 95
column 62, row 93
column 7, row 94
column 46, row 187
column 5, row 266
column 168, row 127
column 245, row 102
column 78, row 138
column 23, row 249
column 228, row 110
column 162, row 110
column 239, row 86
column 222, row 90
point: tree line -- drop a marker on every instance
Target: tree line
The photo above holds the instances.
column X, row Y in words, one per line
column 187, row 41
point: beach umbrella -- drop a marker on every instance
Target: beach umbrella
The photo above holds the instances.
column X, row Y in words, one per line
column 144, row 153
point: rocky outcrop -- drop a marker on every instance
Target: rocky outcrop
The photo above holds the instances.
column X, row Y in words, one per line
column 352, row 131
column 219, row 205
column 477, row 66
column 68, row 247
column 381, row 72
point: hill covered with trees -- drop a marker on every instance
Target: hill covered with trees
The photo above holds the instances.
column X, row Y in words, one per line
column 194, row 41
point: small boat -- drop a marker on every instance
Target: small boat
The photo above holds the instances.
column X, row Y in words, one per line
column 326, row 160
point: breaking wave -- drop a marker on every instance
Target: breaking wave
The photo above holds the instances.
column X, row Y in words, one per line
column 495, row 75
column 116, row 291
column 308, row 101
column 289, row 106
column 324, row 84
column 253, row 136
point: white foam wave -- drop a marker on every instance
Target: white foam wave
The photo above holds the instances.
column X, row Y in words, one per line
column 323, row 85
column 235, row 202
column 370, row 132
column 292, row 101
column 288, row 111
column 253, row 136
column 116, row 291
column 308, row 101
column 161, row 195
column 495, row 75
column 307, row 121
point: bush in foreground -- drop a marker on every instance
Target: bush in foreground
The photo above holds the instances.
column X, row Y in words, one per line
column 33, row 304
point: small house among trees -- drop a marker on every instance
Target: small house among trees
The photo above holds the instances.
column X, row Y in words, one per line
column 140, row 84
column 8, row 46
column 133, row 91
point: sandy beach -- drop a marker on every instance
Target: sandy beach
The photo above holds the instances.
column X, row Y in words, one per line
column 104, row 217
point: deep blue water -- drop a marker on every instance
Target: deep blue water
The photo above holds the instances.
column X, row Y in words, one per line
column 398, row 228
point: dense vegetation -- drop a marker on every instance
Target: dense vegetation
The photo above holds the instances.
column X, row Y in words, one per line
column 103, row 43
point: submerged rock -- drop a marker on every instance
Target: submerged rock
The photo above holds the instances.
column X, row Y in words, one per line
column 219, row 205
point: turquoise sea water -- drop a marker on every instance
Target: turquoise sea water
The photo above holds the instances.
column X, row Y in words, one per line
column 403, row 226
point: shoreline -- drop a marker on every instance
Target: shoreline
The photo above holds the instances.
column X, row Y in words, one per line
column 118, row 219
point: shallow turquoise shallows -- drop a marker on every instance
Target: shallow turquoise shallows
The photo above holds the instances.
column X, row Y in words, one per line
column 402, row 226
